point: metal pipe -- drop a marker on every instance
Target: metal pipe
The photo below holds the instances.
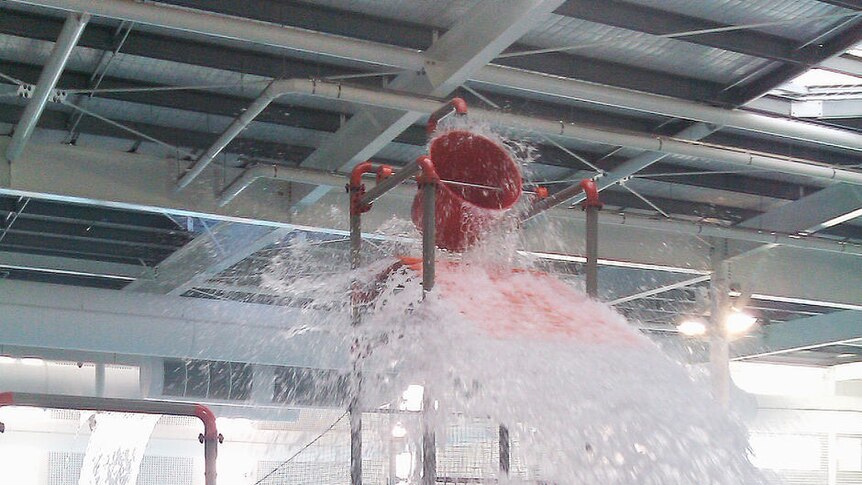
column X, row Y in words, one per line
column 719, row 352
column 592, row 250
column 456, row 104
column 505, row 445
column 72, row 29
column 429, row 234
column 390, row 183
column 210, row 437
column 292, row 38
column 356, row 376
column 100, row 379
column 355, row 190
column 551, row 128
column 429, row 441
column 678, row 226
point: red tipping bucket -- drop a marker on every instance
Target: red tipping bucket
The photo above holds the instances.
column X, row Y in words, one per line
column 464, row 212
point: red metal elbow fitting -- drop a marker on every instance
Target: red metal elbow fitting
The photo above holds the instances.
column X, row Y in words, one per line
column 428, row 174
column 206, row 415
column 458, row 104
column 356, row 188
column 7, row 399
column 383, row 173
column 358, row 171
column 592, row 192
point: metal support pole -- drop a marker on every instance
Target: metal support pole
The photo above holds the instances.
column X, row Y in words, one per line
column 428, row 186
column 390, row 183
column 592, row 267
column 719, row 350
column 72, row 29
column 429, row 441
column 505, row 444
column 429, row 234
column 100, row 380
column 354, row 409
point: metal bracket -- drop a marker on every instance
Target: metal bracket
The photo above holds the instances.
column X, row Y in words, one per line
column 57, row 95
column 25, row 90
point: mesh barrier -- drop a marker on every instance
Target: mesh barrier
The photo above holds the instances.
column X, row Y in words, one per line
column 323, row 458
column 65, row 469
column 469, row 453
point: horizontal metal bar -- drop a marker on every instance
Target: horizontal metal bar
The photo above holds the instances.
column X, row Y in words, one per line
column 390, row 183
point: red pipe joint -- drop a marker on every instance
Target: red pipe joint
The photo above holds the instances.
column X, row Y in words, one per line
column 541, row 193
column 458, row 104
column 428, row 174
column 206, row 415
column 592, row 192
column 356, row 188
column 7, row 399
column 383, row 173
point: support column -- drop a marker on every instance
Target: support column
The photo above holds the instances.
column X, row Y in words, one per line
column 592, row 266
column 100, row 379
column 69, row 35
column 429, row 441
column 505, row 452
column 719, row 351
column 429, row 248
column 356, row 375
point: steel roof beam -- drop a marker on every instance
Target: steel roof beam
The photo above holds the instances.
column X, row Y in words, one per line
column 72, row 266
column 802, row 334
column 48, row 316
column 848, row 4
column 830, row 44
column 650, row 20
column 212, row 252
column 485, row 31
column 371, row 53
column 69, row 35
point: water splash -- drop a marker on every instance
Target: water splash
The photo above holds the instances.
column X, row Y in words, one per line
column 588, row 399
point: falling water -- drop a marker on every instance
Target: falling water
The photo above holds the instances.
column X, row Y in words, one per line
column 116, row 448
column 586, row 397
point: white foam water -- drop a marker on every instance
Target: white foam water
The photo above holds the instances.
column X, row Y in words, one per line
column 587, row 397
column 116, row 448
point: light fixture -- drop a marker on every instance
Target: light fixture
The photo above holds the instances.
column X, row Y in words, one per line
column 411, row 399
column 34, row 361
column 738, row 322
column 5, row 359
column 691, row 327
column 399, row 431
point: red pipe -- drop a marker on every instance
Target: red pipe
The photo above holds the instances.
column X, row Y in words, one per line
column 429, row 174
column 592, row 192
column 357, row 173
column 356, row 188
column 210, row 437
column 458, row 104
column 206, row 416
column 383, row 173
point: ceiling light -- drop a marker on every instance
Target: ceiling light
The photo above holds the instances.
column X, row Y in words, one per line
column 738, row 322
column 34, row 361
column 692, row 327
column 399, row 431
column 5, row 359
